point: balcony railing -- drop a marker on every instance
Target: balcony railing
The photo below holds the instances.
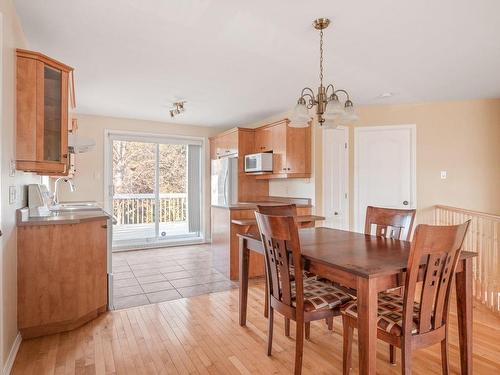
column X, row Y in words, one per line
column 141, row 208
column 482, row 238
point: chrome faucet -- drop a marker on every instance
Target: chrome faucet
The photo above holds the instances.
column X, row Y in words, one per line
column 56, row 190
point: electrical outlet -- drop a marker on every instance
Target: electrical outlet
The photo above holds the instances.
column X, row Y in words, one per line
column 444, row 174
column 12, row 168
column 12, row 194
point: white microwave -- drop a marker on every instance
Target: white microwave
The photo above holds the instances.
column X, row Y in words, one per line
column 262, row 162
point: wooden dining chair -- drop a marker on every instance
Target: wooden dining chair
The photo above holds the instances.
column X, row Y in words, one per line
column 301, row 299
column 276, row 210
column 284, row 210
column 411, row 325
column 389, row 222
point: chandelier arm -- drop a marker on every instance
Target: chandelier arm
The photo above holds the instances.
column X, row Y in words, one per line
column 310, row 102
column 343, row 91
column 333, row 89
column 309, row 94
column 308, row 91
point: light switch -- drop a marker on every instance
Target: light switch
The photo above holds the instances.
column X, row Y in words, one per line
column 12, row 194
column 12, row 168
column 443, row 175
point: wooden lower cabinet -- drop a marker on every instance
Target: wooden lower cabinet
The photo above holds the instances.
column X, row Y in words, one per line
column 62, row 276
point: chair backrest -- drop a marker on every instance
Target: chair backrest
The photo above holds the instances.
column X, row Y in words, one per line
column 279, row 210
column 389, row 222
column 439, row 248
column 280, row 236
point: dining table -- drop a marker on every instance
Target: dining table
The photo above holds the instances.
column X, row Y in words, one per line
column 369, row 264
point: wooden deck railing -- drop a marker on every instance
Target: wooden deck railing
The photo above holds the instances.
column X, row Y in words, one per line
column 481, row 238
column 141, row 208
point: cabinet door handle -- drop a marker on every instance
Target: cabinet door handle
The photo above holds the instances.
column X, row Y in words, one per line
column 65, row 156
column 1, row 233
column 104, row 226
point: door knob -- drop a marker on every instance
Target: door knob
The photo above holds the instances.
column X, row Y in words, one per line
column 405, row 203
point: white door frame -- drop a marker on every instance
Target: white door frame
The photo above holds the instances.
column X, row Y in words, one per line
column 345, row 222
column 413, row 171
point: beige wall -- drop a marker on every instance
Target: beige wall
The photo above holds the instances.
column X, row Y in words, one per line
column 461, row 137
column 12, row 38
column 89, row 179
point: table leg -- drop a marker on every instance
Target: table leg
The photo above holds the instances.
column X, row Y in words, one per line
column 464, row 312
column 367, row 325
column 243, row 290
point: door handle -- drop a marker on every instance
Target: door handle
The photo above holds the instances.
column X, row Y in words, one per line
column 405, row 203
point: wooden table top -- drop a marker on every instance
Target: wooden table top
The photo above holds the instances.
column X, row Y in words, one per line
column 360, row 254
column 299, row 218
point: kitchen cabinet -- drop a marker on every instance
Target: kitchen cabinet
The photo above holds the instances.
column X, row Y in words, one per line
column 238, row 142
column 291, row 149
column 264, row 139
column 62, row 274
column 225, row 144
column 44, row 95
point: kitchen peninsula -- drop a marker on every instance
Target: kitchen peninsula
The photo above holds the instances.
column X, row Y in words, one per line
column 237, row 189
column 228, row 222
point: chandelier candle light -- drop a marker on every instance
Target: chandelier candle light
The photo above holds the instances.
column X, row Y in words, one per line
column 329, row 110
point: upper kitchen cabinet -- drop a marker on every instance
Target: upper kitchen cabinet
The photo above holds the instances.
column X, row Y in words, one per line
column 44, row 96
column 291, row 148
column 225, row 144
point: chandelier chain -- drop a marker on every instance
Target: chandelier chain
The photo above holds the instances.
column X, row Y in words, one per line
column 321, row 57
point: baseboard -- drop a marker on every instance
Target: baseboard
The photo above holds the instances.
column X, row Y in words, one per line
column 12, row 355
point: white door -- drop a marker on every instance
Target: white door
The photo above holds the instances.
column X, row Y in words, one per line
column 335, row 178
column 385, row 169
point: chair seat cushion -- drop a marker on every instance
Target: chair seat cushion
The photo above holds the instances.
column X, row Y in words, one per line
column 305, row 274
column 390, row 313
column 320, row 295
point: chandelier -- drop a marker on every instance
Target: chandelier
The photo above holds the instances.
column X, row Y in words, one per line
column 329, row 110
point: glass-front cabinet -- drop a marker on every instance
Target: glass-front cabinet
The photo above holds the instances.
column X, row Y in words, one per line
column 43, row 102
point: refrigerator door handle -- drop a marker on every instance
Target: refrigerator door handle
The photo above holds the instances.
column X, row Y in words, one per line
column 225, row 187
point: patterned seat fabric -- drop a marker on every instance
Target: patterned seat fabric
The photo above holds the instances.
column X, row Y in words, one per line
column 305, row 274
column 390, row 313
column 320, row 295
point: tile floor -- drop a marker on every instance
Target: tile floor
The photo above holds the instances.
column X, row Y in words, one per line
column 149, row 276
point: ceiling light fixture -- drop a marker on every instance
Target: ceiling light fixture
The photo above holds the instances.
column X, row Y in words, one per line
column 178, row 108
column 329, row 110
column 386, row 95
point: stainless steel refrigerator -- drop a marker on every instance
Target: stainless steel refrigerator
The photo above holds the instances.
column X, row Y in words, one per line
column 224, row 173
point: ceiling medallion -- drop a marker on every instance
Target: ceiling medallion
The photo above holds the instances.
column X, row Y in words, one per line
column 178, row 108
column 330, row 111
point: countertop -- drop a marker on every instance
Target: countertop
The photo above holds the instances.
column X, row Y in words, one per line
column 302, row 219
column 253, row 206
column 63, row 217
column 269, row 201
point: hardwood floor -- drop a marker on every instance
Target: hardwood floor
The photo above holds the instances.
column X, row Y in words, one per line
column 201, row 335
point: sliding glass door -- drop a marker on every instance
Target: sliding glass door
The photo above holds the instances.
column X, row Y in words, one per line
column 155, row 191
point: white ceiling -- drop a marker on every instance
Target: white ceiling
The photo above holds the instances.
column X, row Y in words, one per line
column 237, row 61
